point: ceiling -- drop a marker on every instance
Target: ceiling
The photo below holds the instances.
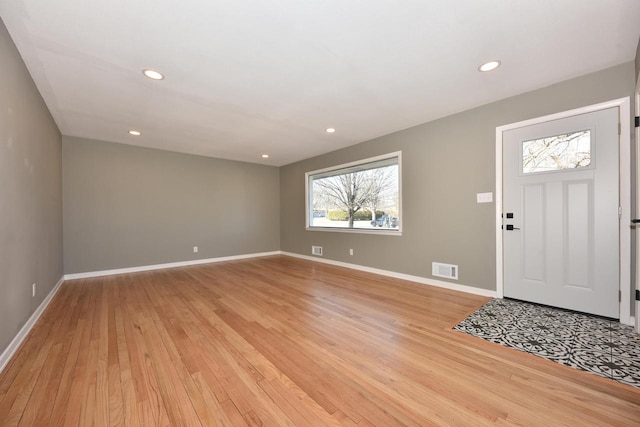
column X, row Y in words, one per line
column 245, row 78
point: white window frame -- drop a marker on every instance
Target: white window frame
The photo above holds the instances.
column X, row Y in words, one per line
column 308, row 209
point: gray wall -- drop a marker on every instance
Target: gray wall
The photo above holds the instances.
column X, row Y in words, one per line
column 30, row 194
column 127, row 206
column 444, row 164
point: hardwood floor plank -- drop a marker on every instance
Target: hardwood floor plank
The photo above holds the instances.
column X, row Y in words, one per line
column 116, row 401
column 14, row 366
column 45, row 389
column 232, row 414
column 217, row 413
column 296, row 413
column 298, row 372
column 178, row 344
column 74, row 330
column 279, row 341
column 13, row 416
column 129, row 402
column 79, row 385
column 147, row 391
column 243, row 389
column 294, row 394
column 102, row 368
column 218, row 331
column 88, row 413
column 161, row 359
column 33, row 351
column 47, row 386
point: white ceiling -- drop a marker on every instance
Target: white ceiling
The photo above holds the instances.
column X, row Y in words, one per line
column 249, row 77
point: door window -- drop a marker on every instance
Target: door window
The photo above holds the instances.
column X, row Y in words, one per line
column 559, row 152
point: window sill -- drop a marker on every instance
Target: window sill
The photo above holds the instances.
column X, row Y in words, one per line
column 357, row 231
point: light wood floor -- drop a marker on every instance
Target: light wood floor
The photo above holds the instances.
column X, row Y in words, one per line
column 281, row 341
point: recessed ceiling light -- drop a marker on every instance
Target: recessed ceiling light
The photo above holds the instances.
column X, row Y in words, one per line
column 489, row 66
column 152, row 74
column 329, row 130
column 265, row 156
column 135, row 132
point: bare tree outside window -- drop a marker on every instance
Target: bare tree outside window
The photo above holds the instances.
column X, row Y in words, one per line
column 351, row 196
column 567, row 151
column 356, row 190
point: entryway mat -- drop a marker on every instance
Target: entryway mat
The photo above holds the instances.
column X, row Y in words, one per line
column 590, row 343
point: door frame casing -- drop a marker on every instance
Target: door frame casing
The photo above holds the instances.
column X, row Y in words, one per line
column 624, row 105
column 637, row 170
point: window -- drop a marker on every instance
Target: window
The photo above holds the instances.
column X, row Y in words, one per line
column 560, row 152
column 362, row 196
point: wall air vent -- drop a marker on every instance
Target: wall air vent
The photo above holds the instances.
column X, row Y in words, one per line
column 316, row 250
column 448, row 271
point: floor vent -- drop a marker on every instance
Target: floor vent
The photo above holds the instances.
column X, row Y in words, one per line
column 316, row 250
column 448, row 271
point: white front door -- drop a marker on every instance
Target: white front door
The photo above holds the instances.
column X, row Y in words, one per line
column 561, row 218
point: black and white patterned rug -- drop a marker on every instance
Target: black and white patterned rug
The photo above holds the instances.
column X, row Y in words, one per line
column 590, row 343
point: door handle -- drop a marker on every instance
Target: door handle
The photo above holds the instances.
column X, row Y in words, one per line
column 635, row 221
column 511, row 227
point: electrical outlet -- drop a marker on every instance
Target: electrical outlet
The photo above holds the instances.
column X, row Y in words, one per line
column 351, row 252
column 195, row 249
column 33, row 290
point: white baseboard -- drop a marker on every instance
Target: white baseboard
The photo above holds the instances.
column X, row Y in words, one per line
column 14, row 345
column 417, row 279
column 167, row 265
column 396, row 275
